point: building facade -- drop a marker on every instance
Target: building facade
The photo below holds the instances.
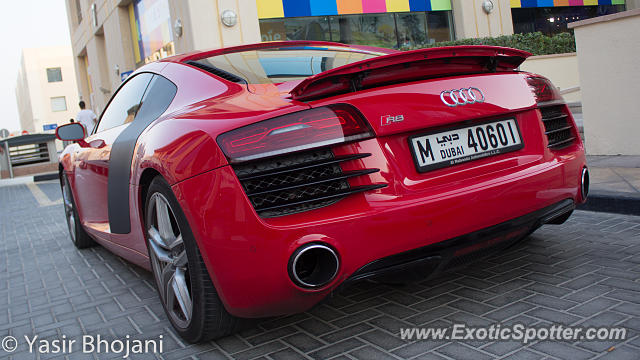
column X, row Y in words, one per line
column 111, row 38
column 46, row 88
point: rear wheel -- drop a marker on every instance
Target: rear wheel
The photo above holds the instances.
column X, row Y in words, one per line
column 184, row 286
column 78, row 235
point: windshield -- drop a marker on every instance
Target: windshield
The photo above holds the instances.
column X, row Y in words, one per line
column 277, row 65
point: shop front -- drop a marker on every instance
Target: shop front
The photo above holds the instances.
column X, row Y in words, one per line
column 151, row 32
column 552, row 16
column 390, row 24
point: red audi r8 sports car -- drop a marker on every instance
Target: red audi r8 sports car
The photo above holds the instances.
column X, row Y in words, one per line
column 255, row 180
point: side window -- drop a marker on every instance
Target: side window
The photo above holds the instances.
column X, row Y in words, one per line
column 125, row 104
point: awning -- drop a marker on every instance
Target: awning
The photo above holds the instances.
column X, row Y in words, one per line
column 556, row 3
column 269, row 9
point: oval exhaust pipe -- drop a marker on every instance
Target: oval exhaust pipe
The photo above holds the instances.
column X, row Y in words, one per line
column 313, row 265
column 584, row 184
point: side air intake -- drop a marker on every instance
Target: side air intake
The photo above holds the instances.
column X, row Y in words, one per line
column 558, row 130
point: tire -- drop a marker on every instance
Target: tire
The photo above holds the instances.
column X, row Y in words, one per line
column 178, row 267
column 78, row 235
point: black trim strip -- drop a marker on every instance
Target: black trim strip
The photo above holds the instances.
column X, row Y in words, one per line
column 305, row 167
column 156, row 100
column 568, row 127
column 561, row 143
column 555, row 117
column 354, row 190
column 218, row 72
column 551, row 103
column 344, row 175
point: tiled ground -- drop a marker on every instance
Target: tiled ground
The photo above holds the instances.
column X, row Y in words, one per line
column 584, row 272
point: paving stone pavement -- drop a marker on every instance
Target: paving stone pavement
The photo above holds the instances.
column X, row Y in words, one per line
column 585, row 272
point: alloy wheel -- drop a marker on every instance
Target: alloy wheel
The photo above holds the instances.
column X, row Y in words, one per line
column 169, row 260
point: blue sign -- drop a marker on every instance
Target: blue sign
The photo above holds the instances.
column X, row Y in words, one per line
column 48, row 127
column 125, row 75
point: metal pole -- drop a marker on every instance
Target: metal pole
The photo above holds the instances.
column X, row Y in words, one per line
column 6, row 147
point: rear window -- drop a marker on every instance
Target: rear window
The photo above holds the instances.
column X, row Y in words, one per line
column 277, row 65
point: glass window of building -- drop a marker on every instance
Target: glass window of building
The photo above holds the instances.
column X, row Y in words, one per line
column 412, row 29
column 151, row 30
column 311, row 28
column 78, row 11
column 553, row 20
column 399, row 24
column 366, row 29
column 58, row 103
column 54, row 74
column 439, row 26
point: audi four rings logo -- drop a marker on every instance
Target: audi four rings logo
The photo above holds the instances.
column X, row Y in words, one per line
column 458, row 97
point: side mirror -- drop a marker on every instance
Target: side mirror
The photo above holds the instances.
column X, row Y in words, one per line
column 70, row 132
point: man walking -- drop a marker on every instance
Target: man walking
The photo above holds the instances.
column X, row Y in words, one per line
column 87, row 118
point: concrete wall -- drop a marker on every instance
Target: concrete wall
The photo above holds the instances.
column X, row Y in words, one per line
column 608, row 52
column 23, row 100
column 34, row 92
column 633, row 4
column 561, row 69
column 472, row 22
column 202, row 28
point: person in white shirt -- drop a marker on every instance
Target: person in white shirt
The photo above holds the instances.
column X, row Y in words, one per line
column 87, row 118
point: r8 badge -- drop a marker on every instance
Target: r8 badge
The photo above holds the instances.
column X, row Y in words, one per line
column 389, row 119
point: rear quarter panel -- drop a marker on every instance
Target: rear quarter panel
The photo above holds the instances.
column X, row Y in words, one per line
column 181, row 144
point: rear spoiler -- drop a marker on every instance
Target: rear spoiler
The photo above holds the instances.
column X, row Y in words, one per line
column 409, row 66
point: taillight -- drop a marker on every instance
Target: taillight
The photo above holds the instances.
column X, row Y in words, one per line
column 294, row 132
column 543, row 89
column 554, row 113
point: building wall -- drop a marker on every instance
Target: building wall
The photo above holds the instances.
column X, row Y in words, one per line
column 23, row 100
column 103, row 46
column 202, row 28
column 472, row 22
column 608, row 52
column 104, row 49
column 633, row 4
column 34, row 92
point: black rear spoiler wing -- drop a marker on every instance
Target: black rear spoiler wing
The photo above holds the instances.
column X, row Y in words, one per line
column 409, row 66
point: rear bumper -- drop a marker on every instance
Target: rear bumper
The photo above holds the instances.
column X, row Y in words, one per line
column 247, row 256
column 433, row 259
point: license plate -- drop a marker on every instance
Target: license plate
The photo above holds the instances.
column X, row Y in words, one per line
column 447, row 148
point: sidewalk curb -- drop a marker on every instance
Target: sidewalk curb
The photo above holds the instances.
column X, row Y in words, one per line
column 612, row 202
column 45, row 177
